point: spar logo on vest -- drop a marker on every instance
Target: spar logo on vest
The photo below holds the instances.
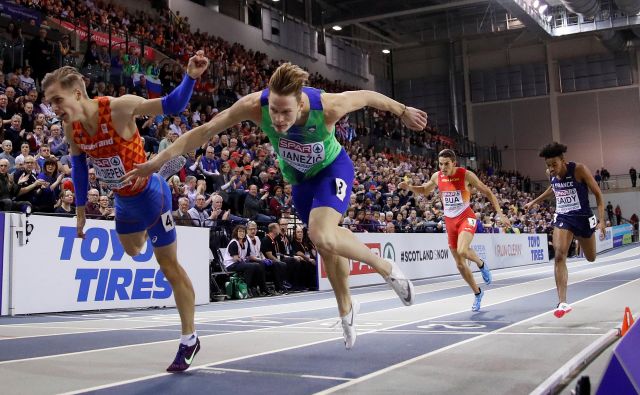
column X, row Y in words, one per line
column 301, row 157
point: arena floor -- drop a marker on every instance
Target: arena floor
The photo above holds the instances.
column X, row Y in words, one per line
column 286, row 345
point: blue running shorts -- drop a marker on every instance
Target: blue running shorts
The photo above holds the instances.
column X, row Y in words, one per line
column 579, row 225
column 329, row 188
column 149, row 210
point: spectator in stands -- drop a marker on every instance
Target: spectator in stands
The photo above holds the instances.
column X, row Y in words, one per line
column 92, row 208
column 65, row 203
column 14, row 131
column 254, row 206
column 7, row 148
column 237, row 260
column 278, row 269
column 618, row 212
column 106, row 209
column 634, row 176
column 10, row 190
column 300, row 271
column 39, row 54
column 199, row 214
column 181, row 216
column 610, row 211
column 270, row 248
column 303, row 247
column 45, row 198
column 57, row 143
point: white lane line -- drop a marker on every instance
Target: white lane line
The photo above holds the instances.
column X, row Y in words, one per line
column 202, row 318
column 449, row 347
column 309, row 376
column 149, row 377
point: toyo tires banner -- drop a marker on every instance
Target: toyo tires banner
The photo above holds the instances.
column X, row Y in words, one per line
column 422, row 255
column 55, row 271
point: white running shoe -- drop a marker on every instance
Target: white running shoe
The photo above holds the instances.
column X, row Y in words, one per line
column 348, row 325
column 172, row 166
column 562, row 309
column 401, row 284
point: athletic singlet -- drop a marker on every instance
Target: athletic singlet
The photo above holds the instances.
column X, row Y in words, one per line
column 303, row 151
column 453, row 192
column 112, row 155
column 572, row 197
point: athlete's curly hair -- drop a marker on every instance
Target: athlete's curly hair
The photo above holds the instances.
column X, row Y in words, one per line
column 553, row 150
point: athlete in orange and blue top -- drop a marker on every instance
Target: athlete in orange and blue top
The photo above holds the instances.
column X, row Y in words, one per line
column 104, row 128
column 460, row 220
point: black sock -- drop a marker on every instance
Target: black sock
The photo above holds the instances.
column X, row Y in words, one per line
column 479, row 291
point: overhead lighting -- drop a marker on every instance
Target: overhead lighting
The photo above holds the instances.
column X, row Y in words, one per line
column 337, row 28
column 542, row 8
column 536, row 3
column 386, row 51
column 548, row 18
column 275, row 1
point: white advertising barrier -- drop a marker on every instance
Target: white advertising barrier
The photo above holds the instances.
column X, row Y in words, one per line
column 55, row 271
column 607, row 243
column 423, row 255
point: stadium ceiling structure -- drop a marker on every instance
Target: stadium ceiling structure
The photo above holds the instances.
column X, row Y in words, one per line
column 408, row 23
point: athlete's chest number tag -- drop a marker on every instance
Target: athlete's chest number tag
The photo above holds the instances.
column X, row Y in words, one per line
column 341, row 189
column 110, row 171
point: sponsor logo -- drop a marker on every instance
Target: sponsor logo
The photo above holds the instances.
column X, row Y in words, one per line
column 106, row 284
column 508, row 249
column 389, row 252
column 91, row 147
column 424, row 255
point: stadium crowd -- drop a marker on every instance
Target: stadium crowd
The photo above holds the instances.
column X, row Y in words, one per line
column 231, row 185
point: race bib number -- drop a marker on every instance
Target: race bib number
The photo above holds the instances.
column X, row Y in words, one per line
column 301, row 157
column 567, row 201
column 341, row 189
column 167, row 221
column 593, row 222
column 471, row 221
column 453, row 203
column 110, row 171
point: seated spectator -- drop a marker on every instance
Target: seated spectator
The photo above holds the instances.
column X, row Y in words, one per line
column 10, row 190
column 65, row 203
column 45, row 198
column 254, row 206
column 106, row 210
column 304, row 248
column 236, row 260
column 199, row 214
column 270, row 248
column 92, row 207
column 278, row 269
column 302, row 272
column 7, row 148
column 181, row 216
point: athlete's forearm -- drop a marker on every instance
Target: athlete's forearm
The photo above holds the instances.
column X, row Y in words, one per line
column 384, row 103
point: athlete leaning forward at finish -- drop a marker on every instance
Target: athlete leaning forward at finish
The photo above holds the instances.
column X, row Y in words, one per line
column 300, row 124
column 104, row 129
column 454, row 184
column 570, row 183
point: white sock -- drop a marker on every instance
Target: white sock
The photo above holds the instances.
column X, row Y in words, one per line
column 190, row 339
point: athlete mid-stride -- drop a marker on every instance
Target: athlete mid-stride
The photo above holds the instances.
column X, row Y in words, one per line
column 460, row 220
column 570, row 183
column 300, row 124
column 104, row 129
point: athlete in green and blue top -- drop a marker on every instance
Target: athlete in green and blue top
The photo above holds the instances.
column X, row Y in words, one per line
column 300, row 123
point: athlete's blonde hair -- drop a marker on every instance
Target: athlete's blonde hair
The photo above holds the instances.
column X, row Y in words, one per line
column 288, row 79
column 68, row 77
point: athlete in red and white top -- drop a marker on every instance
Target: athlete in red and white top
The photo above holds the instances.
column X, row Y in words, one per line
column 460, row 220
